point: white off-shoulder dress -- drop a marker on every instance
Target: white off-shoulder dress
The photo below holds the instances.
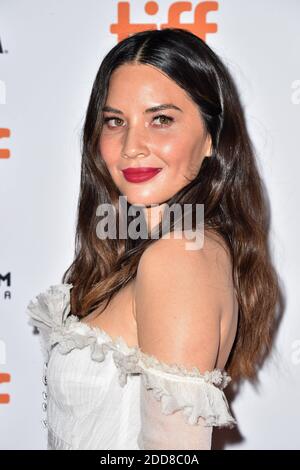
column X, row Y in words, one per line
column 101, row 394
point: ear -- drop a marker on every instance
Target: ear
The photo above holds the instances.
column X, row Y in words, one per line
column 208, row 146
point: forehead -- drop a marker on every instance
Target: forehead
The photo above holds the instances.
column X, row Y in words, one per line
column 142, row 84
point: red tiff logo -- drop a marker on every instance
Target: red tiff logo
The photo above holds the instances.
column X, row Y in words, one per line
column 4, row 397
column 4, row 153
column 199, row 26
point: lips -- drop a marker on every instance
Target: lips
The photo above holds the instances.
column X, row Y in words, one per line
column 138, row 175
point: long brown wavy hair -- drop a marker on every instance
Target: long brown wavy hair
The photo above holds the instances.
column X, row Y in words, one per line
column 228, row 184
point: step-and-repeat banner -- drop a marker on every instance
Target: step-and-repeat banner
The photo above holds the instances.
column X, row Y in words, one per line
column 50, row 52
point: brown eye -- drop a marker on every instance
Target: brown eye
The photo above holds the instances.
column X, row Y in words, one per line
column 166, row 120
column 108, row 119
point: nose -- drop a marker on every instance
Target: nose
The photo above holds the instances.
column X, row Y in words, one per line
column 135, row 144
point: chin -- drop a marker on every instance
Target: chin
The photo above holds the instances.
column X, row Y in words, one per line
column 141, row 201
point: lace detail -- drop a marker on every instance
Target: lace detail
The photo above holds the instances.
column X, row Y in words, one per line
column 198, row 394
column 216, row 376
column 197, row 397
column 48, row 312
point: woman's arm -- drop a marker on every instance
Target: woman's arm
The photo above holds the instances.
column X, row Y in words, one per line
column 179, row 297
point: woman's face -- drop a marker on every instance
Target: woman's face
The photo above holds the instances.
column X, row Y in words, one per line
column 133, row 136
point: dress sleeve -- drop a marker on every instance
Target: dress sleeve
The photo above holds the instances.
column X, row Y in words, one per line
column 47, row 311
column 178, row 410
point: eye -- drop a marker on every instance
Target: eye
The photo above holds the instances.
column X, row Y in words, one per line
column 167, row 119
column 113, row 118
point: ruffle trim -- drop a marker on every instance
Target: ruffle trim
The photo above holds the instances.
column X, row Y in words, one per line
column 49, row 311
column 196, row 398
column 197, row 394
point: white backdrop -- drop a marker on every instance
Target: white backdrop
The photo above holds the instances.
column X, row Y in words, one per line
column 49, row 55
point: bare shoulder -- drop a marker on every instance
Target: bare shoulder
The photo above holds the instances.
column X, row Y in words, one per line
column 179, row 296
column 211, row 260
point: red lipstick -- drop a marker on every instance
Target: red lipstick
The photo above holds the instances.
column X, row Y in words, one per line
column 140, row 174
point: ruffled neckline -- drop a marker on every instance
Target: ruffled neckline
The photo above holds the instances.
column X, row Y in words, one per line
column 68, row 332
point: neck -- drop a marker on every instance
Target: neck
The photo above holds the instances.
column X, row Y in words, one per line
column 153, row 215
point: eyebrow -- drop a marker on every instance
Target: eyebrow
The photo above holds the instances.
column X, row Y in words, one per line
column 154, row 109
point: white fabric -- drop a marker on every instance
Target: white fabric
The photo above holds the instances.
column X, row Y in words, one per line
column 104, row 395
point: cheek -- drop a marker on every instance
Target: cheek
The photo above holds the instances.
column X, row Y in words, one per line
column 177, row 154
column 108, row 149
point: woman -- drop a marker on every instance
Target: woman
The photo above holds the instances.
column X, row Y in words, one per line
column 143, row 334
